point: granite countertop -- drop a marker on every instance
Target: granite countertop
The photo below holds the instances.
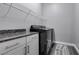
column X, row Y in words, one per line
column 10, row 35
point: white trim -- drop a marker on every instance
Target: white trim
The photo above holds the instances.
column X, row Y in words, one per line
column 69, row 44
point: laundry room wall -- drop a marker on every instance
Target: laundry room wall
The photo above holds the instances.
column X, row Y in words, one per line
column 61, row 18
column 76, row 27
column 35, row 7
column 11, row 18
column 15, row 18
column 34, row 17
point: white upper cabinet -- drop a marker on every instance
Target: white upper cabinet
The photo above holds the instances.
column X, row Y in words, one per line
column 3, row 9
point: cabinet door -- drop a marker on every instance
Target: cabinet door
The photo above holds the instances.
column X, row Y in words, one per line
column 16, row 51
column 33, row 46
column 11, row 45
column 19, row 51
column 3, row 10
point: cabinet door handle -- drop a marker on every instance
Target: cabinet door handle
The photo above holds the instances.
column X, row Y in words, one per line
column 25, row 51
column 28, row 49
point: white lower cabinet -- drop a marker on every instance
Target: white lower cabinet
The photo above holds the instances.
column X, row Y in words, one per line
column 28, row 45
column 16, row 51
column 19, row 51
column 13, row 47
column 32, row 47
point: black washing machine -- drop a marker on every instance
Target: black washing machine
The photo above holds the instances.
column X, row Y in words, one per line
column 45, row 38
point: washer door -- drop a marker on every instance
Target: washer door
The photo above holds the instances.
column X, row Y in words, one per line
column 48, row 45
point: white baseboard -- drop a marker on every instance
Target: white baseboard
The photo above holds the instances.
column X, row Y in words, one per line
column 69, row 44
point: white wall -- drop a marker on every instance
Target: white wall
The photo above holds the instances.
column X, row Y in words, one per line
column 60, row 17
column 33, row 18
column 18, row 19
column 36, row 7
column 11, row 20
column 76, row 24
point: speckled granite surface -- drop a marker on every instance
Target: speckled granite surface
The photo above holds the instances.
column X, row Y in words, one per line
column 13, row 33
